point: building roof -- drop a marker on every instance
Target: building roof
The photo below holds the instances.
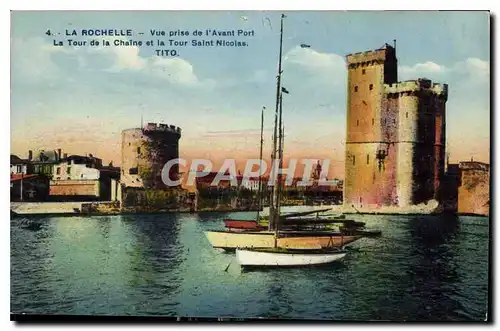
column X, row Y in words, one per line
column 49, row 156
column 82, row 159
column 110, row 169
column 16, row 177
column 474, row 165
column 14, row 159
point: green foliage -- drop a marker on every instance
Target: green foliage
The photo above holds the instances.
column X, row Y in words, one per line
column 151, row 199
column 130, row 198
column 146, row 174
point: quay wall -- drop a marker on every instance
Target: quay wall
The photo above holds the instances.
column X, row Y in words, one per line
column 474, row 191
column 23, row 208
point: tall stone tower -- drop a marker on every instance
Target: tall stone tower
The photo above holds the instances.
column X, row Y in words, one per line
column 370, row 127
column 395, row 146
column 144, row 153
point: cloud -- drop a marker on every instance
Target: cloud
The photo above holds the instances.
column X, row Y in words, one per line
column 32, row 59
column 260, row 76
column 420, row 68
column 471, row 67
column 315, row 61
column 468, row 106
column 176, row 70
column 124, row 57
column 316, row 81
column 318, row 78
column 37, row 59
column 475, row 67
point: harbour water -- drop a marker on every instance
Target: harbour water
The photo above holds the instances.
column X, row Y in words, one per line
column 422, row 268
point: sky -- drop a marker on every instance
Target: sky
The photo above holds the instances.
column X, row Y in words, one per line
column 81, row 98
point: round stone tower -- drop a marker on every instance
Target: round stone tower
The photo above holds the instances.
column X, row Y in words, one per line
column 145, row 152
column 420, row 140
column 409, row 100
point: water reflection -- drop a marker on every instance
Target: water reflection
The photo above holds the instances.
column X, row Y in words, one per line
column 421, row 268
column 433, row 271
column 156, row 257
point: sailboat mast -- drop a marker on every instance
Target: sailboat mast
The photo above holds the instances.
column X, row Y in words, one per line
column 280, row 156
column 259, row 194
column 272, row 200
column 272, row 210
column 282, row 138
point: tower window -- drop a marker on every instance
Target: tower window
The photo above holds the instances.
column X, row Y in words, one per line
column 138, row 150
column 354, row 160
column 371, row 87
column 406, row 114
column 367, row 158
column 355, row 89
column 394, row 121
column 357, row 122
column 363, row 71
column 373, row 121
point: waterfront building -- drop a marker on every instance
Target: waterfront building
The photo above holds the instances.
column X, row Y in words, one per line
column 474, row 189
column 43, row 161
column 451, row 183
column 19, row 166
column 229, row 193
column 395, row 144
column 77, row 167
column 28, row 187
column 467, row 188
column 252, row 183
column 83, row 178
column 204, row 181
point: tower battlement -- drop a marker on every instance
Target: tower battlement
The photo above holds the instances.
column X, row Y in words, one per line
column 440, row 89
column 162, row 128
column 474, row 165
column 396, row 134
column 145, row 151
column 417, row 85
column 367, row 57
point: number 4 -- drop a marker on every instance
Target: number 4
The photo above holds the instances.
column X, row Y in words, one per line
column 47, row 33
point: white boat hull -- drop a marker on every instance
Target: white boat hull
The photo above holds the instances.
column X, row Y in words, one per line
column 256, row 258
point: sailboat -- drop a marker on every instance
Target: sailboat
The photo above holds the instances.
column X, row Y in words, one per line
column 260, row 222
column 239, row 225
column 244, row 225
column 258, row 239
column 277, row 256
